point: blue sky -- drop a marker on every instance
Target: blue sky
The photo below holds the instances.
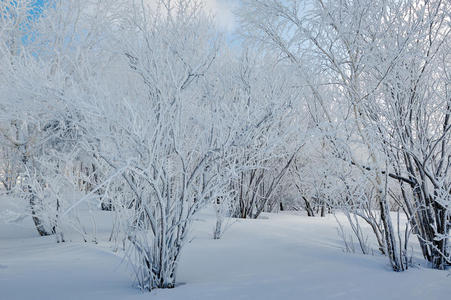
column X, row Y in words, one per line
column 38, row 4
column 35, row 12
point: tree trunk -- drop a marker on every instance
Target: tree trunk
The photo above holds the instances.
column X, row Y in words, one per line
column 308, row 207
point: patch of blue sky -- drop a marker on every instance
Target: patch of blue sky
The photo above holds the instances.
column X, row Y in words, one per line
column 34, row 13
column 37, row 7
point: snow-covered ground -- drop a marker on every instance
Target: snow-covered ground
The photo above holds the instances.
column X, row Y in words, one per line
column 283, row 256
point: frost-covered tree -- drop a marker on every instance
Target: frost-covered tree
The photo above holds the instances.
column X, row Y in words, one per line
column 41, row 124
column 381, row 59
column 263, row 113
column 155, row 127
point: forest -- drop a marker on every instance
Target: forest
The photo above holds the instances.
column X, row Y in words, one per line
column 142, row 116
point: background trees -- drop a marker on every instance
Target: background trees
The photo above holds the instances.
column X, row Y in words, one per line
column 141, row 109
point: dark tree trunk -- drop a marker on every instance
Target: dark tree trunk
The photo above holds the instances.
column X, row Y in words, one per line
column 37, row 221
column 308, row 207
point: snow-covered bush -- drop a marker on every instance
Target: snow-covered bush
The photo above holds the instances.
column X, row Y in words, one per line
column 155, row 127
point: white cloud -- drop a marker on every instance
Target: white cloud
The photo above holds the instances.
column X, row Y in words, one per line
column 223, row 12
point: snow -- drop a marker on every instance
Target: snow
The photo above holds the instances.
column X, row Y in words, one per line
column 282, row 256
